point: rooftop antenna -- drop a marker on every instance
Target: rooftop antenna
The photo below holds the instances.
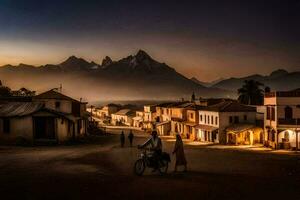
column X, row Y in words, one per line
column 60, row 88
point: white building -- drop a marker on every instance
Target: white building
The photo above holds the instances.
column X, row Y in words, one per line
column 123, row 117
column 49, row 117
column 282, row 119
column 228, row 122
column 107, row 110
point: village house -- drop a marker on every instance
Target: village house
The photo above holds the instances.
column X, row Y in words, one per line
column 138, row 119
column 192, row 120
column 146, row 119
column 107, row 110
column 49, row 117
column 228, row 122
column 163, row 118
column 149, row 118
column 123, row 117
column 178, row 114
column 282, row 119
column 59, row 102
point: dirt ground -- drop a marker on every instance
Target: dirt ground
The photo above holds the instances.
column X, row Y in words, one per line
column 103, row 170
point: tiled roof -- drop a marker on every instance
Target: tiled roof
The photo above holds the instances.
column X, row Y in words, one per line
column 51, row 94
column 195, row 107
column 167, row 104
column 125, row 112
column 230, row 106
column 113, row 105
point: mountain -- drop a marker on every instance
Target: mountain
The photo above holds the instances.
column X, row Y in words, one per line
column 206, row 84
column 74, row 63
column 277, row 80
column 136, row 76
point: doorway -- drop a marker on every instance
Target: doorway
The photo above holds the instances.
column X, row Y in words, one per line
column 44, row 127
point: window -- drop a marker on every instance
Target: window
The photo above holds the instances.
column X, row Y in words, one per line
column 207, row 119
column 273, row 114
column 192, row 115
column 216, row 121
column 212, row 119
column 57, row 104
column 230, row 120
column 245, row 117
column 268, row 113
column 236, row 119
column 6, row 125
column 201, row 118
column 288, row 112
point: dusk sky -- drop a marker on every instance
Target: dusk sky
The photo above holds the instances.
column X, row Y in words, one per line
column 205, row 39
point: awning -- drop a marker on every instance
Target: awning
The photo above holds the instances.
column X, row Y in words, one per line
column 162, row 123
column 206, row 127
column 190, row 123
column 237, row 128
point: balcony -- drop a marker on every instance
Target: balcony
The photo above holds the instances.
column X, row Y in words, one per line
column 294, row 121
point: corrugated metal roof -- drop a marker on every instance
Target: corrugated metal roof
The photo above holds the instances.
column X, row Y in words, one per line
column 18, row 109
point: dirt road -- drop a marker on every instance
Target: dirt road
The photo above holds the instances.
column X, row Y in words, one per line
column 103, row 170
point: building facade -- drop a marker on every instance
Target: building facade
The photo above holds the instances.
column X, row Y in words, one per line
column 228, row 122
column 47, row 117
column 282, row 119
column 123, row 117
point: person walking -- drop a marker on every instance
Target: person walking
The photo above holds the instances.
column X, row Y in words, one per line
column 130, row 138
column 122, row 139
column 179, row 151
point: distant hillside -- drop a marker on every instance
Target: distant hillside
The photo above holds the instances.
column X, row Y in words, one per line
column 277, row 80
column 206, row 84
column 134, row 77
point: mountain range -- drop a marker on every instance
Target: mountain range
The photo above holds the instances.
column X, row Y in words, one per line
column 135, row 77
column 277, row 80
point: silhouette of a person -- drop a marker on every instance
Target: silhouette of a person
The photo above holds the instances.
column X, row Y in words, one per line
column 122, row 139
column 130, row 138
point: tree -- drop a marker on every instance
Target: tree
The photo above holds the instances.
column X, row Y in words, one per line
column 5, row 91
column 251, row 93
column 23, row 92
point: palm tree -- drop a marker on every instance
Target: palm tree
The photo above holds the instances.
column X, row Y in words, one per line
column 251, row 93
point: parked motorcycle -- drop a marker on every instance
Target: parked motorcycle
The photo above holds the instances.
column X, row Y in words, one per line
column 147, row 160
